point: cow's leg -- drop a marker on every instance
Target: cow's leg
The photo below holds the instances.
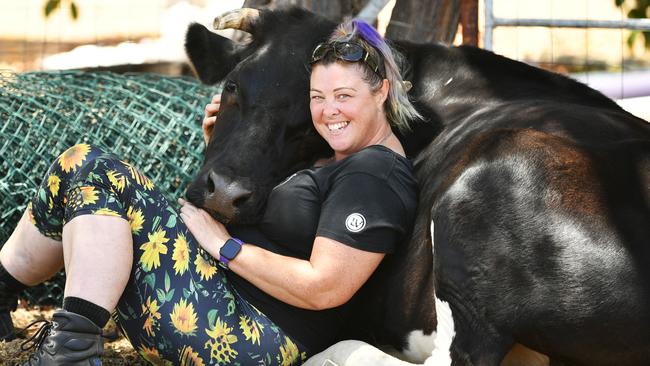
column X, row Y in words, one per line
column 471, row 348
column 446, row 334
column 462, row 341
column 464, row 337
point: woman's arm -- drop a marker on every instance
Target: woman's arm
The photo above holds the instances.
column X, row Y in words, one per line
column 331, row 276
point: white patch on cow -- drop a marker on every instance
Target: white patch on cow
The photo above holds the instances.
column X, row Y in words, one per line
column 445, row 333
column 419, row 346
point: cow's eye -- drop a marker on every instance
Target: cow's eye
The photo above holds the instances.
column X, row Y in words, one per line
column 230, row 87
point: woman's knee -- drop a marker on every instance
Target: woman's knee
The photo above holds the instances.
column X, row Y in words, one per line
column 75, row 157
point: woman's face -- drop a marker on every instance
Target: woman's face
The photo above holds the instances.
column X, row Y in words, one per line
column 344, row 109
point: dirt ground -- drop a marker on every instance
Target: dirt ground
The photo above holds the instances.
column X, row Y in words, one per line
column 118, row 352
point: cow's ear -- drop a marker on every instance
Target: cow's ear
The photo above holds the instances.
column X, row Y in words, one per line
column 211, row 55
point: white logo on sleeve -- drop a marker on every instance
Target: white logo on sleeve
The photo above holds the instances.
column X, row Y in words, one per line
column 355, row 222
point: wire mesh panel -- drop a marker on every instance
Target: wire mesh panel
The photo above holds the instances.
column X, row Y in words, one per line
column 151, row 121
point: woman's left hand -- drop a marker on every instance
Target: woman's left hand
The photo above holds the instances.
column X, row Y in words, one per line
column 210, row 233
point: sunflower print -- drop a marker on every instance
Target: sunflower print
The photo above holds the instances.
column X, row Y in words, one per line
column 204, row 268
column 88, row 195
column 153, row 249
column 184, row 318
column 153, row 315
column 136, row 220
column 181, row 255
column 250, row 329
column 178, row 307
column 220, row 345
column 288, row 352
column 152, row 355
column 104, row 211
column 190, row 358
column 73, row 157
column 30, row 214
column 54, row 182
column 118, row 180
column 139, row 178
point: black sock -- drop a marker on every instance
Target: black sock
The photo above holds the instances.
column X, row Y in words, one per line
column 95, row 313
column 11, row 285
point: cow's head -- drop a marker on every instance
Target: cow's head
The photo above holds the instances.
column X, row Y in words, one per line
column 263, row 131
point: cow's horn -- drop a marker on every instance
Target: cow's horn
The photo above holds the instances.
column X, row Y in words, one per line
column 241, row 19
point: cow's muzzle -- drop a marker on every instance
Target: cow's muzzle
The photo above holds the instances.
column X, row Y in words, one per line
column 225, row 196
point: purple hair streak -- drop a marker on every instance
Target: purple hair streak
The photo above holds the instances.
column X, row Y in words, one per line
column 368, row 33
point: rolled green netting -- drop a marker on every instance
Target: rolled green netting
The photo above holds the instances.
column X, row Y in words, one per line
column 151, row 121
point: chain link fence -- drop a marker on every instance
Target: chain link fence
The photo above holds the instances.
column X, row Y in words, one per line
column 151, row 121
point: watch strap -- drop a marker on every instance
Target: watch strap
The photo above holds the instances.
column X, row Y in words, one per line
column 225, row 261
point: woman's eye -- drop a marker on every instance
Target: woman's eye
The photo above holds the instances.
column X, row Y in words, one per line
column 316, row 97
column 342, row 96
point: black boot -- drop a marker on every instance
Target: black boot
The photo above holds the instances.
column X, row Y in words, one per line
column 7, row 305
column 70, row 339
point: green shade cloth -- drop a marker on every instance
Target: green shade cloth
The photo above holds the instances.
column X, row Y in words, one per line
column 151, row 121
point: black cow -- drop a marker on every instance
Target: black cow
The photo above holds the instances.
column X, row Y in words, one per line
column 534, row 216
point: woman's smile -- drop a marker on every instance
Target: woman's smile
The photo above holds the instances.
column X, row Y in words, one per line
column 338, row 126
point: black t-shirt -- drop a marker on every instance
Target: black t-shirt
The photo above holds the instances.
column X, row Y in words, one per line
column 367, row 201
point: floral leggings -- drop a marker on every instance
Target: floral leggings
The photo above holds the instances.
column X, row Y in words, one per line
column 177, row 308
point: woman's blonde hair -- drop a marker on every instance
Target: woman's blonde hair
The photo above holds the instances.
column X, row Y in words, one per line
column 398, row 108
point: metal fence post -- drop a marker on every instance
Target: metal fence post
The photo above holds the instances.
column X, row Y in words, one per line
column 489, row 25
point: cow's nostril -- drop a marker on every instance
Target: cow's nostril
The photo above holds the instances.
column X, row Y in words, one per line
column 211, row 186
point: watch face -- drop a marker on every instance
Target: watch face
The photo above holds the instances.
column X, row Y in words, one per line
column 230, row 249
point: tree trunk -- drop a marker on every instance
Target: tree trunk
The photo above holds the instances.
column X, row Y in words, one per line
column 424, row 21
column 469, row 20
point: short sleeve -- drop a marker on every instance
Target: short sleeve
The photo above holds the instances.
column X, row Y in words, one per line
column 362, row 211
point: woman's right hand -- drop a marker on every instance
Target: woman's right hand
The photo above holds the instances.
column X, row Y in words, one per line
column 210, row 117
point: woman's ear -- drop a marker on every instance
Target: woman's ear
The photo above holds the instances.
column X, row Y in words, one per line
column 382, row 93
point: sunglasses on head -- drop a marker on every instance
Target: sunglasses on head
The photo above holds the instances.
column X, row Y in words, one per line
column 346, row 51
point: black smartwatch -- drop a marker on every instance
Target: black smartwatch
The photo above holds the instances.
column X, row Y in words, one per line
column 229, row 251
